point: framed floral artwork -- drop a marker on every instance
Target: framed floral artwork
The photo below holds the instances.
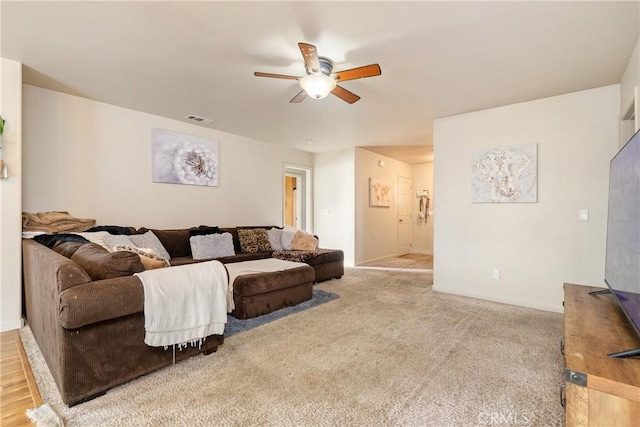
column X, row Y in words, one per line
column 184, row 159
column 505, row 175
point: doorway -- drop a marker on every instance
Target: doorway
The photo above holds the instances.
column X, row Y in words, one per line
column 297, row 197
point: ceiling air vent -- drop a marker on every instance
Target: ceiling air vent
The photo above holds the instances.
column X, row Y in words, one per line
column 198, row 119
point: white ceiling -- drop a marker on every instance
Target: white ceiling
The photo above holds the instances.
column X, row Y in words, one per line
column 437, row 58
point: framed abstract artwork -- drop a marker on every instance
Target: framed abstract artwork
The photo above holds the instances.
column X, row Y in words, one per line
column 183, row 159
column 505, row 175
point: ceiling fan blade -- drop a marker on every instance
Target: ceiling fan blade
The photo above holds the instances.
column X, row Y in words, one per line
column 301, row 96
column 275, row 76
column 310, row 55
column 359, row 73
column 345, row 95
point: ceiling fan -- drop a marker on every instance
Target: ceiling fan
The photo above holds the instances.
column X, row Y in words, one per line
column 320, row 80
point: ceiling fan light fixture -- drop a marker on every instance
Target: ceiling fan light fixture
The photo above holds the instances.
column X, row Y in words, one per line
column 317, row 86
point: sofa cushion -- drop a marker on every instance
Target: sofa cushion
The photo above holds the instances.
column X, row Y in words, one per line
column 101, row 264
column 210, row 246
column 245, row 257
column 149, row 240
column 319, row 256
column 253, row 240
column 67, row 248
column 176, row 242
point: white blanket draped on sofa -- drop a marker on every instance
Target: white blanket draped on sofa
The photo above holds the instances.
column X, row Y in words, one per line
column 184, row 304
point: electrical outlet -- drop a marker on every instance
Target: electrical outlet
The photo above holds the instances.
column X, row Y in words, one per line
column 496, row 274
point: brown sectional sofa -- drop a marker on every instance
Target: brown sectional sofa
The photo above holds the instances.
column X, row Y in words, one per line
column 89, row 322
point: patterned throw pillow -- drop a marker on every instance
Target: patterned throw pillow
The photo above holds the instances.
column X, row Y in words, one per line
column 209, row 246
column 149, row 259
column 114, row 240
column 254, row 240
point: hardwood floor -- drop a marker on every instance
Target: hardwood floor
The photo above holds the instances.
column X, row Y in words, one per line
column 408, row 261
column 18, row 390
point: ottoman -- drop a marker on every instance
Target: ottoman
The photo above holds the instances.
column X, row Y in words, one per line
column 257, row 292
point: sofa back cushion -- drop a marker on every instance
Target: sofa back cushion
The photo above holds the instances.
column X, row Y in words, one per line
column 101, row 264
column 204, row 230
column 176, row 242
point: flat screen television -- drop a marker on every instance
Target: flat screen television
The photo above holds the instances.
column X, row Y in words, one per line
column 622, row 262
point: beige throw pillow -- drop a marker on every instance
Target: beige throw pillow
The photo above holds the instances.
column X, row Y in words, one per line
column 304, row 242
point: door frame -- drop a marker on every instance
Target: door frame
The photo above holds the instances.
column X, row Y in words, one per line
column 409, row 220
column 303, row 194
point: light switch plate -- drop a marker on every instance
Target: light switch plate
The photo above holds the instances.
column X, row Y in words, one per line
column 583, row 214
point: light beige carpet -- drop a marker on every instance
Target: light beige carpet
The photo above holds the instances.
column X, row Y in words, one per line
column 408, row 261
column 388, row 352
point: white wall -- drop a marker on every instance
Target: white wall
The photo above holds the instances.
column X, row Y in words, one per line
column 376, row 227
column 629, row 94
column 422, row 238
column 334, row 196
column 536, row 246
column 10, row 197
column 94, row 160
column 630, row 79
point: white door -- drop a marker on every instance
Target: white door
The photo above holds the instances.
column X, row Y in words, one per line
column 404, row 215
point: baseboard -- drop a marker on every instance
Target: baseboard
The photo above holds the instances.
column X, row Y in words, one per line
column 488, row 297
column 376, row 259
column 421, row 253
column 10, row 325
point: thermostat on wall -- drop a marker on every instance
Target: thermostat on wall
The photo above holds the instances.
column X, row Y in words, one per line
column 423, row 193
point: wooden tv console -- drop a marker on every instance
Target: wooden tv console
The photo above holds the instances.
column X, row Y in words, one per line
column 598, row 390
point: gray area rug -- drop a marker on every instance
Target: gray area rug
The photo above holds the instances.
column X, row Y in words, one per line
column 388, row 352
column 235, row 326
